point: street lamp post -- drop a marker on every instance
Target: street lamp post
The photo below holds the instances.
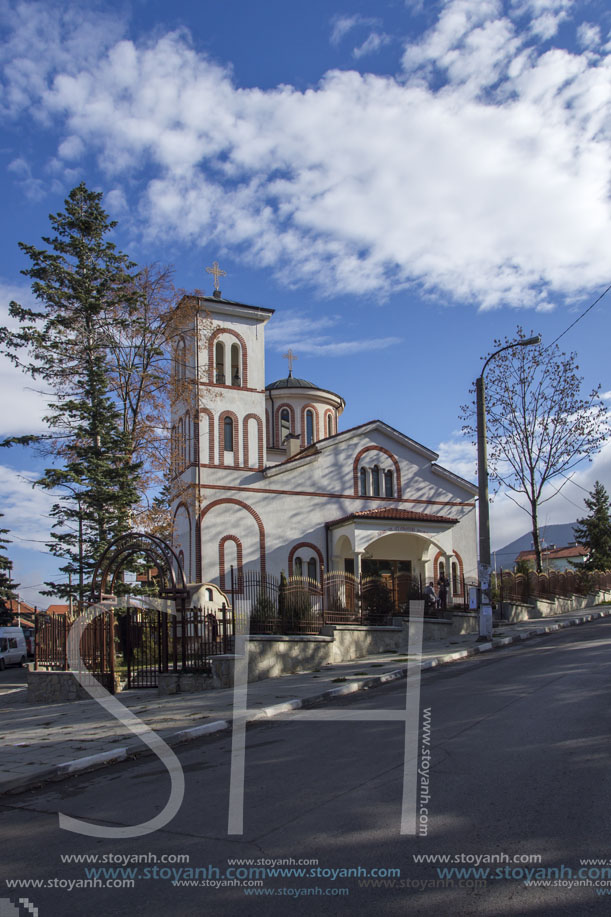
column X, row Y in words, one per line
column 485, row 609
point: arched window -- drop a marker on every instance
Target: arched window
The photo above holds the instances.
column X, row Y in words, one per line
column 455, row 587
column 220, row 362
column 228, row 434
column 180, row 367
column 363, row 479
column 309, row 428
column 285, row 424
column 388, row 484
column 235, row 365
column 298, row 566
column 180, row 458
column 375, row 481
column 312, row 568
column 442, row 570
column 173, row 454
column 329, row 425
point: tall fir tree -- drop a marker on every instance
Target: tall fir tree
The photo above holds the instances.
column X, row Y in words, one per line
column 594, row 530
column 84, row 287
column 8, row 589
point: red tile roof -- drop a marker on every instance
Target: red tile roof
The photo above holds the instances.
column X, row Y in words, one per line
column 576, row 550
column 58, row 609
column 391, row 512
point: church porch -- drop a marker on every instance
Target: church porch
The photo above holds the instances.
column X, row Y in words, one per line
column 402, row 549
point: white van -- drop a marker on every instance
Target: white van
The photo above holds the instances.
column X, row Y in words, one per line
column 13, row 649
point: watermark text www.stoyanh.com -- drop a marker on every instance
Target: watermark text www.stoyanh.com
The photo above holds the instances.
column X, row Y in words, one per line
column 424, row 794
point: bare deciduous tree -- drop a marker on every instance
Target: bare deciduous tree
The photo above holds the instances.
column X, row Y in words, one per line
column 540, row 426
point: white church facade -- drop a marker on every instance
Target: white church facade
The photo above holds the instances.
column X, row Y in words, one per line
column 266, row 480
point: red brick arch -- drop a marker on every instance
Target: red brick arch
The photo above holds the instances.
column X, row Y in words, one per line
column 314, row 409
column 180, row 360
column 212, row 342
column 439, row 556
column 277, row 411
column 210, row 417
column 310, row 547
column 245, row 443
column 239, row 554
column 236, row 456
column 329, row 413
column 183, row 505
column 355, row 469
column 225, row 501
column 461, row 574
column 188, row 437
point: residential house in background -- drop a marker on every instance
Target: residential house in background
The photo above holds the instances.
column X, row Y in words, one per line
column 554, row 558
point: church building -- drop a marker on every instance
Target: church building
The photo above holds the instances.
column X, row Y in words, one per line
column 266, row 480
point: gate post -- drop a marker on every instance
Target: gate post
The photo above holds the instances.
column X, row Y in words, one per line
column 65, row 642
column 224, row 613
column 183, row 633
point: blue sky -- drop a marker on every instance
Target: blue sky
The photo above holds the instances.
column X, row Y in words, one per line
column 402, row 181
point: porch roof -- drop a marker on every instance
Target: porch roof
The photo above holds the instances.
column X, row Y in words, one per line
column 391, row 513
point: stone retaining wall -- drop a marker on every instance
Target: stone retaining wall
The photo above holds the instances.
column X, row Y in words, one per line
column 543, row 607
column 48, row 686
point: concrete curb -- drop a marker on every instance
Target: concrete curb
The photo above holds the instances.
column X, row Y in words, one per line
column 117, row 755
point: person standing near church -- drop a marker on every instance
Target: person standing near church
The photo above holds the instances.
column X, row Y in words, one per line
column 443, row 592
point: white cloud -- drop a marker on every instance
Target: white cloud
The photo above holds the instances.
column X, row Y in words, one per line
column 33, row 188
column 25, row 507
column 309, row 336
column 481, row 173
column 41, row 39
column 71, row 148
column 588, row 35
column 459, row 455
column 342, row 25
column 116, row 201
column 545, row 15
column 373, row 43
column 508, row 520
column 23, row 407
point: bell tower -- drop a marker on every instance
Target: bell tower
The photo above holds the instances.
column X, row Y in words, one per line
column 218, row 408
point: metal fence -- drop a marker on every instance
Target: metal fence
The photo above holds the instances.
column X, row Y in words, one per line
column 266, row 604
column 518, row 587
column 139, row 644
column 153, row 642
column 97, row 647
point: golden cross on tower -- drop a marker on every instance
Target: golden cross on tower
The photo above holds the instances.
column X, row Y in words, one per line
column 290, row 356
column 216, row 270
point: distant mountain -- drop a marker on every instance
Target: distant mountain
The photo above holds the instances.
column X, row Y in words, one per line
column 561, row 535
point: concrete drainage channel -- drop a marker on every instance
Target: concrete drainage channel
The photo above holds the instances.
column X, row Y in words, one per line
column 124, row 753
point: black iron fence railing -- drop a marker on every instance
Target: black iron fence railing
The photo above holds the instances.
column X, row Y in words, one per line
column 138, row 644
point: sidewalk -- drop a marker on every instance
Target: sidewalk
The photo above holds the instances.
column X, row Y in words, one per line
column 48, row 742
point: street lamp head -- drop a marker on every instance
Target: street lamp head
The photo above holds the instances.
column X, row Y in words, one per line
column 535, row 340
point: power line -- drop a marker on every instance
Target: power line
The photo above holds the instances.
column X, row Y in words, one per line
column 578, row 319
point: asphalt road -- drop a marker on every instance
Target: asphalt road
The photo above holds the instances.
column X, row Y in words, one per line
column 519, row 765
column 13, row 676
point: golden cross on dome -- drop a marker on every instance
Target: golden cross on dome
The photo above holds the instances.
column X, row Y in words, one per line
column 290, row 356
column 216, row 270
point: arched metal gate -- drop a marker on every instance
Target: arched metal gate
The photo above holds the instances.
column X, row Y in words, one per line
column 152, row 640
